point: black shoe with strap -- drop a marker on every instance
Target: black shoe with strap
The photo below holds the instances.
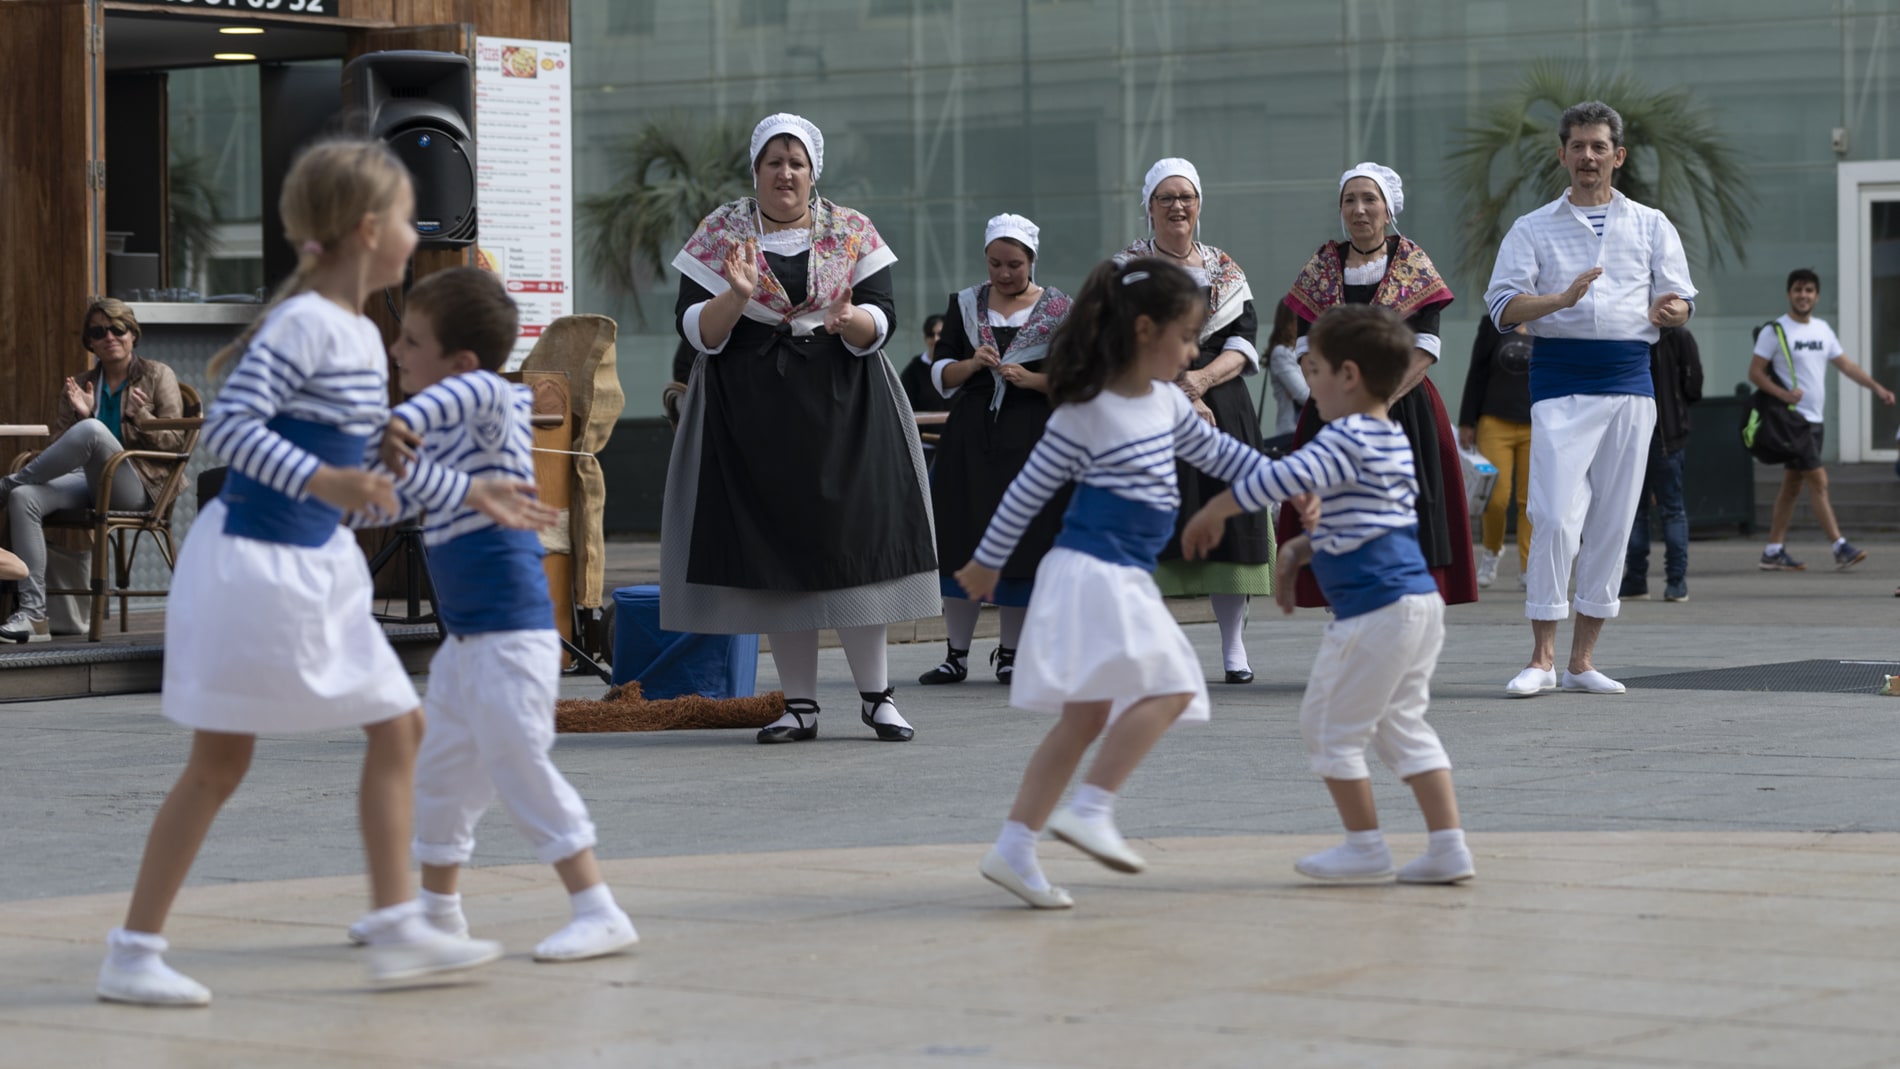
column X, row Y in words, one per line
column 954, row 669
column 885, row 732
column 1004, row 658
column 803, row 710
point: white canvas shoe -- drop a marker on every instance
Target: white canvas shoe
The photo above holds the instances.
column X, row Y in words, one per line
column 429, row 954
column 995, row 868
column 1448, row 866
column 1343, row 864
column 451, row 923
column 1531, row 681
column 1487, row 568
column 153, row 983
column 593, row 936
column 1591, row 682
column 1099, row 839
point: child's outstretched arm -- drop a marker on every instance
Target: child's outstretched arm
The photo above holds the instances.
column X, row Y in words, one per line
column 1203, row 532
column 1056, row 459
column 1291, row 557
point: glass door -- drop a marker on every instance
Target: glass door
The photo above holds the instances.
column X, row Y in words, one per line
column 1879, row 287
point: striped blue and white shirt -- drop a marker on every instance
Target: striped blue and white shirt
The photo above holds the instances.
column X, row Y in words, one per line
column 1360, row 467
column 311, row 360
column 472, row 425
column 1124, row 445
column 1546, row 249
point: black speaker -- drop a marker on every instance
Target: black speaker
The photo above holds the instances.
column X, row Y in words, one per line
column 422, row 104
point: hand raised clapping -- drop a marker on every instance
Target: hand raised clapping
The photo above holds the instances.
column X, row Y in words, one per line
column 742, row 267
column 841, row 314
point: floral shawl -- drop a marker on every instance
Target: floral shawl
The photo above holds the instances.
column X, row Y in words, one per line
column 845, row 249
column 1032, row 339
column 1227, row 289
column 1411, row 284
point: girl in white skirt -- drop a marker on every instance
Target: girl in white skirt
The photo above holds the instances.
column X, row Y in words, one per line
column 1101, row 648
column 269, row 629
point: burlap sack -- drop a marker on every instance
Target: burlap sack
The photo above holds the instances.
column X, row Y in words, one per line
column 582, row 346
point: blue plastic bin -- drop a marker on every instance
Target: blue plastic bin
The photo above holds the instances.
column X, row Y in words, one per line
column 668, row 664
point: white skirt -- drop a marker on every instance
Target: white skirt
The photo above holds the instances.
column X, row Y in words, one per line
column 267, row 638
column 1097, row 631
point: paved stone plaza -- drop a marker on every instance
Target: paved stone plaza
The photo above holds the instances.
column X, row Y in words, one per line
column 1672, row 877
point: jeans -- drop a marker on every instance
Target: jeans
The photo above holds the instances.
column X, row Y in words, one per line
column 1664, row 480
column 63, row 476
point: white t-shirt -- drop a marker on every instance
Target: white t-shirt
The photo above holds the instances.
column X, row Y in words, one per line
column 1813, row 345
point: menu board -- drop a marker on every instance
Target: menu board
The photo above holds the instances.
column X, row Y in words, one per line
column 524, row 177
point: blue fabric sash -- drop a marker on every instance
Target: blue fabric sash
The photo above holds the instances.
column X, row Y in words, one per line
column 1375, row 575
column 1112, row 528
column 257, row 511
column 491, row 580
column 1564, row 367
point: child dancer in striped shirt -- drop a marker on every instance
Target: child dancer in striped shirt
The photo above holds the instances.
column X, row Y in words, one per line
column 1371, row 682
column 493, row 683
column 269, row 628
column 1100, row 647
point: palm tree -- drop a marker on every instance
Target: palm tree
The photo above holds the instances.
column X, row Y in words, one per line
column 1678, row 162
column 193, row 203
column 673, row 172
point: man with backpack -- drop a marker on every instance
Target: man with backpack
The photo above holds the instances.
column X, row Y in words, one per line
column 1790, row 364
column 1675, row 366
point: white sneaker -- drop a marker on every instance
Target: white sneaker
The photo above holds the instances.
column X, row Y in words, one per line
column 995, row 868
column 1345, row 864
column 1487, row 568
column 593, row 936
column 451, row 923
column 21, row 627
column 1591, row 682
column 1449, row 866
column 429, row 954
column 1099, row 839
column 1531, row 681
column 152, row 983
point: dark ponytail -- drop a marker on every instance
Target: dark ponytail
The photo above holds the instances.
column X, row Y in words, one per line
column 1096, row 341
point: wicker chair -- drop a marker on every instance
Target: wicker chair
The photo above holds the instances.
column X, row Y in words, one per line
column 120, row 530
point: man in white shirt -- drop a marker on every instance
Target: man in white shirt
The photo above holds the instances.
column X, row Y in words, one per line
column 1594, row 275
column 1808, row 344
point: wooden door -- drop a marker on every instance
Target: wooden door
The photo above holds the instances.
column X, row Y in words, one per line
column 52, row 199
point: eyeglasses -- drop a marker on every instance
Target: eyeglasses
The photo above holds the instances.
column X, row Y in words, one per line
column 96, row 333
column 1185, row 200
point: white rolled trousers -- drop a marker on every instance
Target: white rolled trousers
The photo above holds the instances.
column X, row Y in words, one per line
column 1588, row 454
column 490, row 709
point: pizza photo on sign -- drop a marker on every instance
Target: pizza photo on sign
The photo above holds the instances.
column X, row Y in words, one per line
column 518, row 62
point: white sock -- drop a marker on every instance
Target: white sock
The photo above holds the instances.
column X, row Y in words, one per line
column 435, row 903
column 1231, row 611
column 1445, row 840
column 1093, row 803
column 795, row 656
column 867, row 651
column 882, row 709
column 1366, row 842
column 594, row 901
column 1839, row 542
column 1772, row 549
column 1017, row 844
column 138, row 951
column 397, row 924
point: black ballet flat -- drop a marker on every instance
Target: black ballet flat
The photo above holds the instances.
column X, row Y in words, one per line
column 954, row 669
column 1004, row 658
column 1241, row 676
column 885, row 732
column 800, row 708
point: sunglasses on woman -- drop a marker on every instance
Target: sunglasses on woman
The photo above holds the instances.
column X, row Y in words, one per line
column 95, row 333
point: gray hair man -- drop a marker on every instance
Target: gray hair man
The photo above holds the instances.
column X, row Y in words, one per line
column 1594, row 276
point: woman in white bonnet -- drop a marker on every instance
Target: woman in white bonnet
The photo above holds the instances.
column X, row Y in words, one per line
column 795, row 492
column 1242, row 566
column 1375, row 267
column 989, row 362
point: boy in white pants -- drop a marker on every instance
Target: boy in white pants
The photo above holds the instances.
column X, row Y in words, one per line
column 492, row 686
column 1371, row 682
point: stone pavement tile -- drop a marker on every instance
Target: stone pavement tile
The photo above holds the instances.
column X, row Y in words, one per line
column 31, row 1046
column 1739, row 1043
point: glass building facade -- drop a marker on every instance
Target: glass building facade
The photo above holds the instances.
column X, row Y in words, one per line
column 940, row 113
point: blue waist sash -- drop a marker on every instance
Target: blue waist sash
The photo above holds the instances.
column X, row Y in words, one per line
column 1562, row 367
column 491, row 580
column 1112, row 528
column 1375, row 575
column 257, row 511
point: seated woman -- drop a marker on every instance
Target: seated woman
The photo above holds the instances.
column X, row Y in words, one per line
column 99, row 416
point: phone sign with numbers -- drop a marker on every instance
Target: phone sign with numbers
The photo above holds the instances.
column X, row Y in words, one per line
column 319, row 8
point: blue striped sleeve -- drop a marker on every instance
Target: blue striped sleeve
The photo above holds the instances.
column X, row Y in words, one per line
column 235, row 428
column 435, row 487
column 1220, row 455
column 1317, row 466
column 1055, row 460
